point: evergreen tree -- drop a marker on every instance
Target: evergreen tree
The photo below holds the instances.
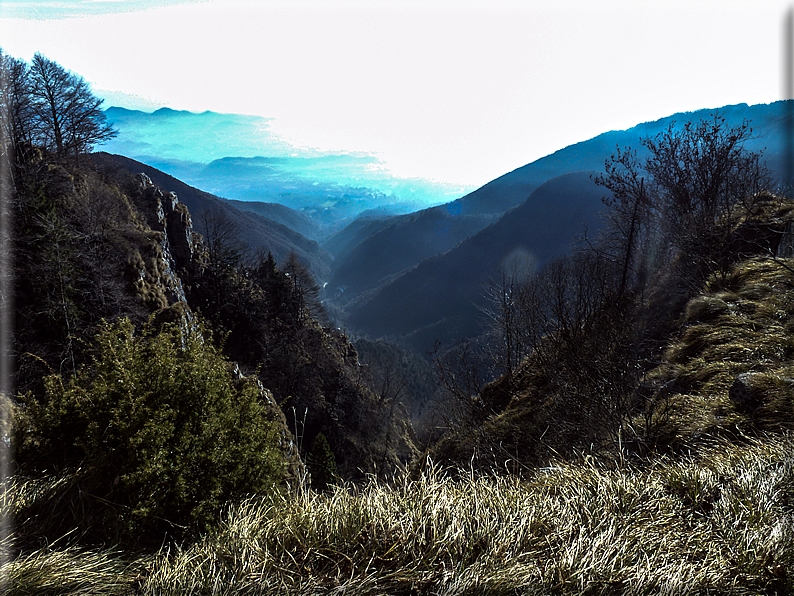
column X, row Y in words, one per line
column 322, row 464
column 156, row 431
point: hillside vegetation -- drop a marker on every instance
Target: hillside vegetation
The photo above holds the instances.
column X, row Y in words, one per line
column 670, row 326
column 725, row 372
column 105, row 299
column 160, row 373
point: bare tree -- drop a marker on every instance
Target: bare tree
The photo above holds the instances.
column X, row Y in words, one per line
column 681, row 198
column 67, row 114
column 85, row 124
column 461, row 373
column 221, row 237
column 16, row 116
column 702, row 171
column 629, row 217
column 507, row 340
column 389, row 382
column 305, row 291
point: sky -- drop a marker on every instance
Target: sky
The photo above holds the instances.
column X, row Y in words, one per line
column 458, row 91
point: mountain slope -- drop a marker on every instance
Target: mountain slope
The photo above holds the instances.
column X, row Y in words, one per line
column 403, row 242
column 439, row 298
column 345, row 240
column 767, row 120
column 120, row 299
column 294, row 220
column 384, row 254
column 721, row 371
column 255, row 232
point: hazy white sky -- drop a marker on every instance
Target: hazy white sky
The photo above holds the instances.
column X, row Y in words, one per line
column 458, row 90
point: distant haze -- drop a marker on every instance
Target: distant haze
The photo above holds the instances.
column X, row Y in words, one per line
column 240, row 157
column 459, row 91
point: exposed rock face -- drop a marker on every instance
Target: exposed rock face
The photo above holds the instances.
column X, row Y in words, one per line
column 179, row 229
column 171, row 220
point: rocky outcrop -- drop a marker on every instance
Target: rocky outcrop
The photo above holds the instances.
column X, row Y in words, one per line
column 177, row 246
column 174, row 250
column 179, row 230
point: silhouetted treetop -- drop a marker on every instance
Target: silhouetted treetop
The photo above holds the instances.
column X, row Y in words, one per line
column 46, row 105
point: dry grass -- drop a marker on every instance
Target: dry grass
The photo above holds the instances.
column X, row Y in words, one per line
column 67, row 571
column 719, row 520
column 742, row 323
column 722, row 523
column 718, row 523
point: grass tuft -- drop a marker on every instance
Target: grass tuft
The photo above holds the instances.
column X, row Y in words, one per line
column 732, row 368
column 67, row 571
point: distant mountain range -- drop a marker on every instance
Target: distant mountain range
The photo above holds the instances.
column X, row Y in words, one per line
column 416, row 277
column 239, row 157
column 539, row 210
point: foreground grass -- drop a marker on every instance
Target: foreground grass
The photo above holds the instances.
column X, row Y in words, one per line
column 721, row 522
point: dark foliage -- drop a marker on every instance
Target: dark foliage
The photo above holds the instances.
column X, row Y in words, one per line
column 267, row 314
column 322, row 464
column 155, row 431
column 72, row 237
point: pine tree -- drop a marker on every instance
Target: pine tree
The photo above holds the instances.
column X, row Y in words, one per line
column 322, row 464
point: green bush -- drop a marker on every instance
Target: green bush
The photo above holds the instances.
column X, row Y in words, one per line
column 156, row 430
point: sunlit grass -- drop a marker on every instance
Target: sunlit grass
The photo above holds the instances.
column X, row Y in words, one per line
column 743, row 322
column 719, row 521
column 715, row 518
column 67, row 571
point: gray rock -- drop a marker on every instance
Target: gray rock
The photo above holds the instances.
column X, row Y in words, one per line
column 751, row 389
column 743, row 392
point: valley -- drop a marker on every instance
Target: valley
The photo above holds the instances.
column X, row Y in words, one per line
column 414, row 277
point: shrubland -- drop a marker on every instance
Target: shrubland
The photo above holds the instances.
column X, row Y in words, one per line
column 154, row 436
